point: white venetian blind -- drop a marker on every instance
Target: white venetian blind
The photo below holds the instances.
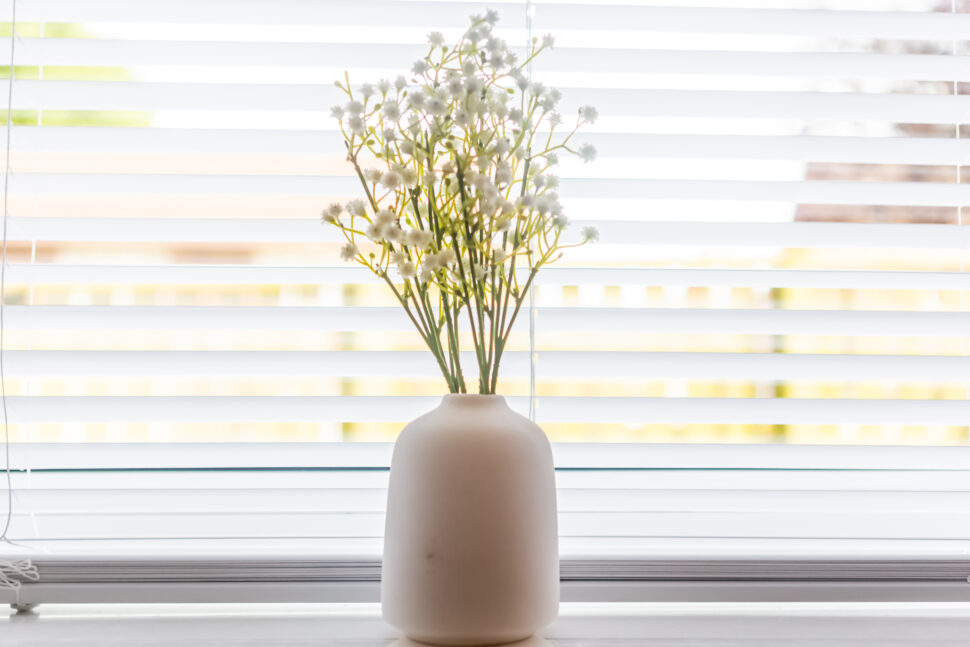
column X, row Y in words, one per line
column 782, row 252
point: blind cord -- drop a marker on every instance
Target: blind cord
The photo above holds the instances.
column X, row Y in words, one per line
column 529, row 9
column 3, row 277
column 963, row 248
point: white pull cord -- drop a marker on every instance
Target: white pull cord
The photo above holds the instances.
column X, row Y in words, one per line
column 12, row 573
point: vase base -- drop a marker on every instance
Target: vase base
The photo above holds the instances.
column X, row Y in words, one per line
column 529, row 640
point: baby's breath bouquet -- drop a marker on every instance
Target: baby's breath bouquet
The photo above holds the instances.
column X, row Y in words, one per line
column 461, row 209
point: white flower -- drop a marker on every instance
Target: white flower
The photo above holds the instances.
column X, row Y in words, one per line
column 394, row 234
column 389, row 134
column 473, row 85
column 372, row 175
column 407, row 269
column 503, row 173
column 491, row 16
column 552, row 181
column 548, row 40
column 384, row 86
column 510, row 58
column 587, row 152
column 409, row 174
column 499, row 256
column 416, row 99
column 391, row 111
column 436, row 39
column 426, row 274
column 461, row 117
column 474, row 35
column 418, row 238
column 437, row 107
column 367, row 90
column 516, row 115
column 468, row 67
column 588, row 114
column 407, row 148
column 502, row 147
column 537, row 89
column 348, row 252
column 356, row 124
column 552, row 159
column 385, row 217
column 420, row 67
column 354, row 107
column 527, row 201
column 400, row 83
column 554, row 119
column 545, row 203
column 337, row 112
column 560, row 221
column 374, row 231
column 399, row 258
column 331, row 213
column 590, row 234
column 446, row 257
column 356, row 208
column 455, row 85
column 539, row 181
column 391, row 179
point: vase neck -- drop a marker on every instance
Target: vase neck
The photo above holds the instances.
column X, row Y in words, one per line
column 473, row 400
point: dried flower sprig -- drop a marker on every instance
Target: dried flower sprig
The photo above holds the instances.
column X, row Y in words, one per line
column 462, row 206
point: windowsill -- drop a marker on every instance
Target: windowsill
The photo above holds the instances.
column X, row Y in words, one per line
column 698, row 624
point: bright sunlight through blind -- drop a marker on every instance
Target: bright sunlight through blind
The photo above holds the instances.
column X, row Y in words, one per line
column 782, row 253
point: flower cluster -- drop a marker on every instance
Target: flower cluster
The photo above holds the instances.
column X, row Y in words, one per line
column 461, row 204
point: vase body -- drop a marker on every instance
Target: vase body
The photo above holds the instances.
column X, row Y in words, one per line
column 471, row 544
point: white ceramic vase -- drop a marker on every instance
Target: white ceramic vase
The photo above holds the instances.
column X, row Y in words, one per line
column 471, row 545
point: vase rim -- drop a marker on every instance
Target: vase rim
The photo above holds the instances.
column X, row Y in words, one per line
column 472, row 398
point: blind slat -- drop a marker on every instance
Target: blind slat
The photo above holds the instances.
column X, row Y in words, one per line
column 386, row 13
column 553, row 276
column 345, row 318
column 96, row 52
column 935, row 194
column 587, row 524
column 135, row 95
column 623, row 410
column 549, row 364
column 617, row 232
column 322, row 500
column 870, row 150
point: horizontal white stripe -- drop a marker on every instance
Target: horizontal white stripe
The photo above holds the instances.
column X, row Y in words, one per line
column 97, row 52
column 873, row 24
column 600, row 410
column 586, row 320
column 875, row 461
column 277, row 275
column 869, row 150
column 618, row 232
column 936, row 194
column 571, row 524
column 132, row 95
column 351, row 500
column 801, row 480
column 550, row 365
